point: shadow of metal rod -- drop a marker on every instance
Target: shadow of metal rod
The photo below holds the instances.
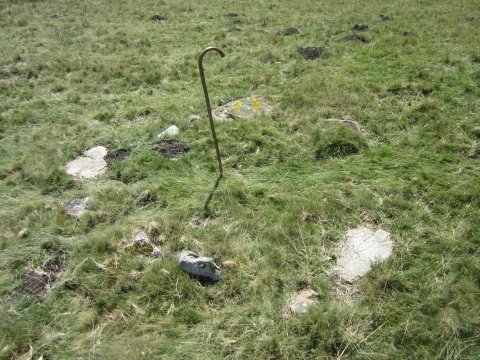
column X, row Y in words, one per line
column 210, row 196
column 209, row 109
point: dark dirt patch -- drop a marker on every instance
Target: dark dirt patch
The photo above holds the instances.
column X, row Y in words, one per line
column 311, row 53
column 172, row 147
column 37, row 282
column 385, row 17
column 157, row 18
column 232, row 14
column 468, row 18
column 356, row 38
column 407, row 33
column 117, row 155
column 234, row 29
column 55, row 264
column 237, row 21
column 289, row 31
column 358, row 27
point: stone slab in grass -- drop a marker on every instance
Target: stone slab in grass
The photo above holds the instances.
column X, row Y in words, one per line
column 361, row 249
column 90, row 165
column 199, row 266
column 245, row 108
column 76, row 207
column 302, row 301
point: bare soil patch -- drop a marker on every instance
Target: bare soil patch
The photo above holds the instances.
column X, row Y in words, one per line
column 311, row 53
column 358, row 27
column 117, row 155
column 172, row 147
column 357, row 38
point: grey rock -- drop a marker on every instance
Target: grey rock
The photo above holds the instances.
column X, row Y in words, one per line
column 76, row 207
column 243, row 109
column 302, row 301
column 90, row 165
column 200, row 266
column 361, row 249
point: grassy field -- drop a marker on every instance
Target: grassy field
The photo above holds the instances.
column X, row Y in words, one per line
column 77, row 74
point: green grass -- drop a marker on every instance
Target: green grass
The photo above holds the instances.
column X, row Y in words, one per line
column 79, row 74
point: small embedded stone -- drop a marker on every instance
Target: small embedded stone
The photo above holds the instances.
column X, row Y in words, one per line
column 302, row 301
column 23, row 233
column 229, row 263
column 76, row 207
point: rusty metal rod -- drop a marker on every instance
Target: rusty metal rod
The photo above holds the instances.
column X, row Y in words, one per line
column 207, row 100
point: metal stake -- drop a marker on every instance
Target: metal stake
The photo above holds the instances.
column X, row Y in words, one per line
column 207, row 100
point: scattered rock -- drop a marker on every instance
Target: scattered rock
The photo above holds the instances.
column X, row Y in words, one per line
column 361, row 248
column 229, row 263
column 171, row 147
column 358, row 27
column 199, row 266
column 116, row 315
column 311, row 53
column 117, row 155
column 135, row 275
column 193, row 118
column 90, row 165
column 136, row 310
column 172, row 130
column 302, row 301
column 289, row 31
column 244, row 109
column 356, row 38
column 198, row 222
column 385, row 17
column 37, row 282
column 141, row 244
column 157, row 18
column 348, row 121
column 23, row 233
column 76, row 207
column 232, row 14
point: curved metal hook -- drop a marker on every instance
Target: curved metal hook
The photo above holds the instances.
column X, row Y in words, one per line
column 207, row 100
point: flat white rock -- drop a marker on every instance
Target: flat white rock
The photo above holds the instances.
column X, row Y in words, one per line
column 90, row 165
column 361, row 249
column 172, row 130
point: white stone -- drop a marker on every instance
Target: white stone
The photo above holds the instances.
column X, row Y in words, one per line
column 361, row 249
column 302, row 301
column 172, row 130
column 90, row 165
